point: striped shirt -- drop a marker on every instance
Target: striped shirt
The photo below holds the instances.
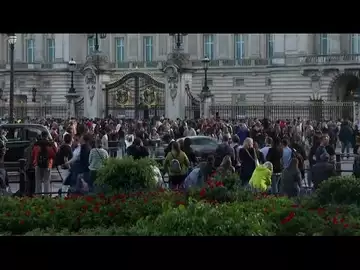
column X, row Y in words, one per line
column 96, row 158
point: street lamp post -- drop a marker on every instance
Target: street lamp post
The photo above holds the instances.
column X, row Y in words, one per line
column 205, row 92
column 72, row 66
column 97, row 36
column 12, row 40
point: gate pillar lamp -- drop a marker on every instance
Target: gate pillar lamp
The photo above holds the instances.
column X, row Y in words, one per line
column 97, row 36
column 12, row 40
column 178, row 39
column 33, row 92
column 205, row 92
column 72, row 67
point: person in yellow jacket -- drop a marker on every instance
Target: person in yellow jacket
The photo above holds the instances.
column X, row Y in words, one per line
column 261, row 178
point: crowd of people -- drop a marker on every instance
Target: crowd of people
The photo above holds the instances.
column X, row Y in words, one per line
column 267, row 155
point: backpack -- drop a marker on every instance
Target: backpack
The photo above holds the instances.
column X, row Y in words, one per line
column 59, row 157
column 42, row 160
column 175, row 166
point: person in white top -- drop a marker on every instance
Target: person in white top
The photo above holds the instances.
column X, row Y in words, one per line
column 105, row 141
column 265, row 149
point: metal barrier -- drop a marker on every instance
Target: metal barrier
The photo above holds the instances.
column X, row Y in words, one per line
column 37, row 111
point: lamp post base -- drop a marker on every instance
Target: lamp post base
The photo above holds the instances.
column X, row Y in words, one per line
column 71, row 97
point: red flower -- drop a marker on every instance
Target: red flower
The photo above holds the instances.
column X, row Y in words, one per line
column 320, row 211
column 111, row 214
column 96, row 209
column 101, row 195
column 346, row 225
column 288, row 218
column 21, row 222
column 8, row 214
column 334, row 220
column 60, row 206
column 295, row 206
column 27, row 213
column 85, row 207
column 52, row 211
column 180, row 203
column 342, row 220
column 202, row 192
column 219, row 184
column 89, row 198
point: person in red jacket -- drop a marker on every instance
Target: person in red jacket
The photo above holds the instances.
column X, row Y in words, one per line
column 43, row 155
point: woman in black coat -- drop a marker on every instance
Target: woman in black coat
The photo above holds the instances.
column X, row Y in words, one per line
column 248, row 160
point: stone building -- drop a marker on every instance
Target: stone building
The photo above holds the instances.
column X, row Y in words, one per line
column 250, row 68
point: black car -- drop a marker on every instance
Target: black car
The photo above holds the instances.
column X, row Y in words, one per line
column 202, row 145
column 19, row 137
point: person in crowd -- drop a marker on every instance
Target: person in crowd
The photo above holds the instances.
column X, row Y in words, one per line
column 275, row 157
column 137, row 149
column 63, row 155
column 249, row 161
column 224, row 149
column 236, row 146
column 169, row 141
column 4, row 177
column 287, row 153
column 291, row 179
column 43, row 155
column 97, row 157
column 85, row 149
column 243, row 133
column 261, row 178
column 322, row 170
column 299, row 151
column 176, row 164
column 345, row 137
column 29, row 166
column 105, row 139
column 226, row 167
column 265, row 149
column 356, row 164
column 259, row 154
column 325, row 147
column 200, row 174
column 189, row 151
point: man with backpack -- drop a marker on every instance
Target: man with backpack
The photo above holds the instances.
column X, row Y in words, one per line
column 43, row 155
column 224, row 149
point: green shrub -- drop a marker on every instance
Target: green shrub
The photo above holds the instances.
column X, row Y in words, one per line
column 202, row 219
column 338, row 190
column 127, row 174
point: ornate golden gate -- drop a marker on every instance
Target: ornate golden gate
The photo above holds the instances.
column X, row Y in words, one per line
column 136, row 95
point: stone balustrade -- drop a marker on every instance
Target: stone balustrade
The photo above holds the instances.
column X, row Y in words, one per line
column 288, row 60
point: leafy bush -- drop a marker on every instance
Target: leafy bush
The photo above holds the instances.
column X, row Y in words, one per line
column 25, row 214
column 202, row 219
column 338, row 190
column 230, row 181
column 127, row 174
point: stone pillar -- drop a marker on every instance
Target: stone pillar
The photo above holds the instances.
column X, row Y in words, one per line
column 71, row 97
column 172, row 93
column 94, row 78
column 205, row 108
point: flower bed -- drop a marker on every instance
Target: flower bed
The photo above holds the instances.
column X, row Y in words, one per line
column 217, row 208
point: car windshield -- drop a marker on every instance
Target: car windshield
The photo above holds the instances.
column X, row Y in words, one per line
column 203, row 141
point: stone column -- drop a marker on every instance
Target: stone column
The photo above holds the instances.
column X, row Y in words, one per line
column 94, row 78
column 71, row 97
column 205, row 108
column 172, row 93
